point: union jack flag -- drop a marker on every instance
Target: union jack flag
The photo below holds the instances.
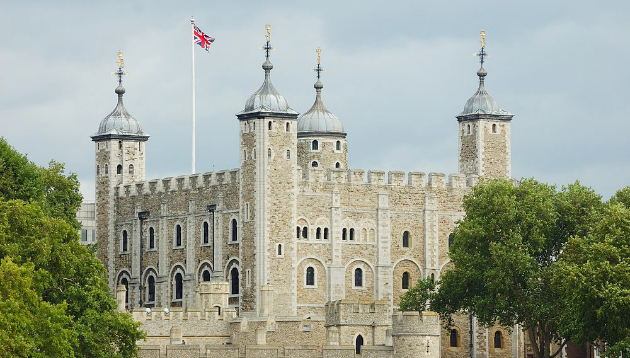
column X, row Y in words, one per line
column 202, row 39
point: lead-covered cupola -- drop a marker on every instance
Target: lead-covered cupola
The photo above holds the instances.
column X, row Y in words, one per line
column 120, row 124
column 321, row 137
column 481, row 103
column 267, row 100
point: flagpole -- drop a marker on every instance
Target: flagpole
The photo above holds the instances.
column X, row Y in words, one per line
column 192, row 43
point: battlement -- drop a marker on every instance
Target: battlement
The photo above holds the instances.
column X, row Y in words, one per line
column 356, row 312
column 415, row 323
column 393, row 178
column 180, row 183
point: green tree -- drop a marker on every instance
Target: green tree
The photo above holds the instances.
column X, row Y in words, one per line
column 38, row 235
column 57, row 194
column 594, row 271
column 504, row 253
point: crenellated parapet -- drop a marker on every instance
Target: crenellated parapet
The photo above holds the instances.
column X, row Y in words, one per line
column 389, row 179
column 415, row 323
column 181, row 183
column 356, row 312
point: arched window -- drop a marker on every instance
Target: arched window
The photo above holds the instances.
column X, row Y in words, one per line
column 359, row 343
column 494, row 128
column 498, row 340
column 124, row 241
column 205, row 276
column 279, row 251
column 268, row 152
column 352, row 234
column 234, row 284
column 338, row 145
column 98, row 170
column 106, row 169
column 325, row 233
column 234, row 230
column 314, row 164
column 318, row 233
column 269, row 125
column 288, row 154
column 297, row 232
column 151, row 238
column 337, row 165
column 405, row 242
column 405, row 280
column 179, row 286
column 344, row 234
column 454, row 341
column 432, row 277
column 305, row 232
column 150, row 289
column 288, row 127
column 206, row 232
column 468, row 129
column 218, row 309
column 315, row 145
column 130, row 169
column 119, row 144
column 119, row 169
column 178, row 235
column 125, row 282
column 451, row 240
column 310, row 276
column 358, row 277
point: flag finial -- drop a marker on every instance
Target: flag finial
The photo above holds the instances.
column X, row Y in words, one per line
column 482, row 54
column 121, row 65
column 267, row 46
column 319, row 68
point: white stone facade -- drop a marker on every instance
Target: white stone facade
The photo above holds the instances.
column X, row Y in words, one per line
column 281, row 258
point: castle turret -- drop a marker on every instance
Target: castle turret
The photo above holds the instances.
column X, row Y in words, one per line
column 321, row 138
column 416, row 334
column 120, row 159
column 268, row 182
column 484, row 132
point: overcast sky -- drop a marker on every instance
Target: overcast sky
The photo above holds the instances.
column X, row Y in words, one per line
column 398, row 72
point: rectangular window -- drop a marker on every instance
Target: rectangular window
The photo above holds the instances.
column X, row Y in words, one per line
column 83, row 235
column 93, row 235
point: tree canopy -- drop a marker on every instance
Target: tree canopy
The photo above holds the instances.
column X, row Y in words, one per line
column 507, row 253
column 54, row 300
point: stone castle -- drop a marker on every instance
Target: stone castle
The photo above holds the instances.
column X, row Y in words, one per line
column 292, row 254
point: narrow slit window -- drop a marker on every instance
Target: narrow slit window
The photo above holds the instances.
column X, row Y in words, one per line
column 178, row 235
column 234, row 230
column 315, row 145
column 358, row 277
column 151, row 238
column 310, row 276
column 405, row 280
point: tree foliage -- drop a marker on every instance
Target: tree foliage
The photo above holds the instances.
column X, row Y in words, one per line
column 594, row 271
column 505, row 254
column 66, row 308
